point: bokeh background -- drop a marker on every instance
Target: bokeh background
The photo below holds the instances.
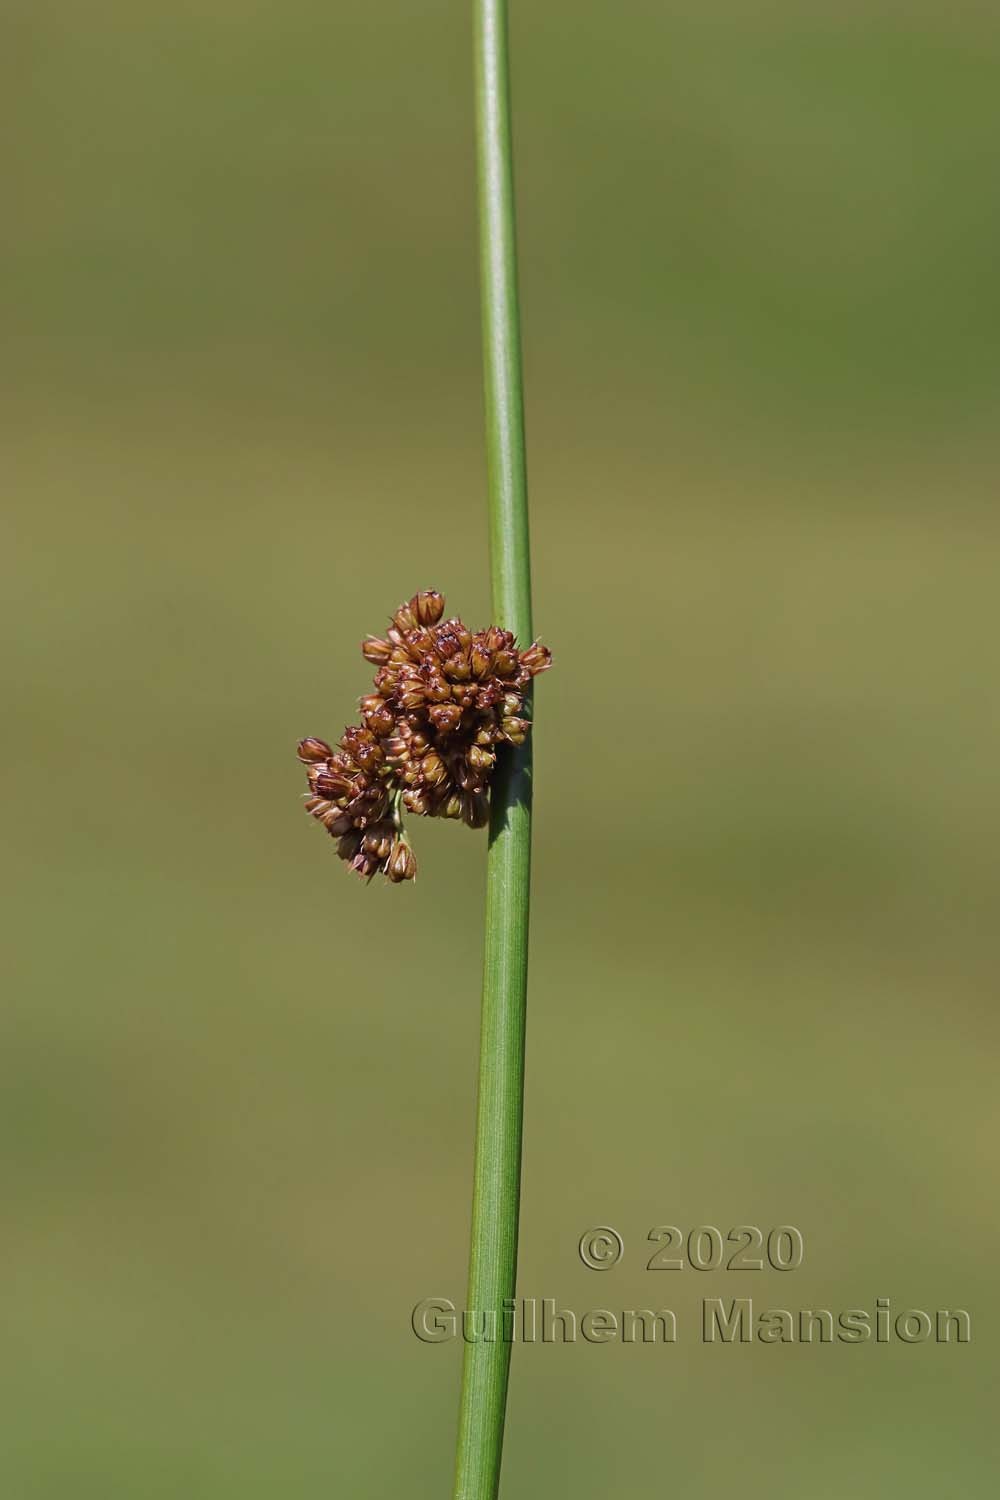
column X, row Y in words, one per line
column 242, row 420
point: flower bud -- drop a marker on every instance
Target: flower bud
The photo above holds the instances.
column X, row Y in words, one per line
column 375, row 650
column 515, row 731
column 402, row 864
column 397, row 750
column 331, row 784
column 481, row 660
column 428, row 606
column 404, row 619
column 377, row 714
column 537, row 658
column 433, row 768
column 312, row 750
column 353, row 737
column 445, row 717
column 417, row 643
column 378, row 841
column 361, row 745
column 446, row 642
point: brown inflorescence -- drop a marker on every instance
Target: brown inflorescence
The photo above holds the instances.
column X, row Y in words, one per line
column 446, row 700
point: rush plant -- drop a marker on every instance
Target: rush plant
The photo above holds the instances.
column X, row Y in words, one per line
column 445, row 733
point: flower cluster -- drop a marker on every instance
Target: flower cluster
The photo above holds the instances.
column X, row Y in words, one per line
column 446, row 698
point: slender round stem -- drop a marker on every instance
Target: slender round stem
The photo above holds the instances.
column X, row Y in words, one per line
column 497, row 1176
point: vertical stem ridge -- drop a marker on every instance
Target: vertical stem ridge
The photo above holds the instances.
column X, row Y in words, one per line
column 497, row 1173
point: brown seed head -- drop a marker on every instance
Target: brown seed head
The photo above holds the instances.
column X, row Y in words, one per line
column 444, row 699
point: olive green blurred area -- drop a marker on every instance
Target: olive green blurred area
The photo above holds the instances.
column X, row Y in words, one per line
column 242, row 420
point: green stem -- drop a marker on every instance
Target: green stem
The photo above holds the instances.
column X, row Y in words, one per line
column 497, row 1176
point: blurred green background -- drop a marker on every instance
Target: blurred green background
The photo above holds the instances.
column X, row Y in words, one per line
column 242, row 420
